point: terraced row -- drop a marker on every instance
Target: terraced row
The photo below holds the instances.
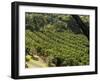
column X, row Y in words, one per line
column 59, row 44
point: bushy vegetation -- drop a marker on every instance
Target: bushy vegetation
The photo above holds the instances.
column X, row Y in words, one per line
column 49, row 37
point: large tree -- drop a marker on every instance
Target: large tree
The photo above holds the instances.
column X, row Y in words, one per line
column 82, row 25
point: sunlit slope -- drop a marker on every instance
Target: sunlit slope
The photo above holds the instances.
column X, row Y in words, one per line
column 69, row 48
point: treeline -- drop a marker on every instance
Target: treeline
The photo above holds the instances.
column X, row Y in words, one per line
column 56, row 22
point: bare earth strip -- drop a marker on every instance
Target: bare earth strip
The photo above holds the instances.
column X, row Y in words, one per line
column 34, row 63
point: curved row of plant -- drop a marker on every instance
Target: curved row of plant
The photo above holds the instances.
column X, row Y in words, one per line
column 58, row 48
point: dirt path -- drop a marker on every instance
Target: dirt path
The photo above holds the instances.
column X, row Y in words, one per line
column 36, row 63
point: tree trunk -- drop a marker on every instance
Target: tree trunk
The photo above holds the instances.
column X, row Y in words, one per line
column 82, row 25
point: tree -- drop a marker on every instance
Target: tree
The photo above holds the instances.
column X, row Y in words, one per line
column 81, row 24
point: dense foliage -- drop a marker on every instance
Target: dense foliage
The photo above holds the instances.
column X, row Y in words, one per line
column 52, row 38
